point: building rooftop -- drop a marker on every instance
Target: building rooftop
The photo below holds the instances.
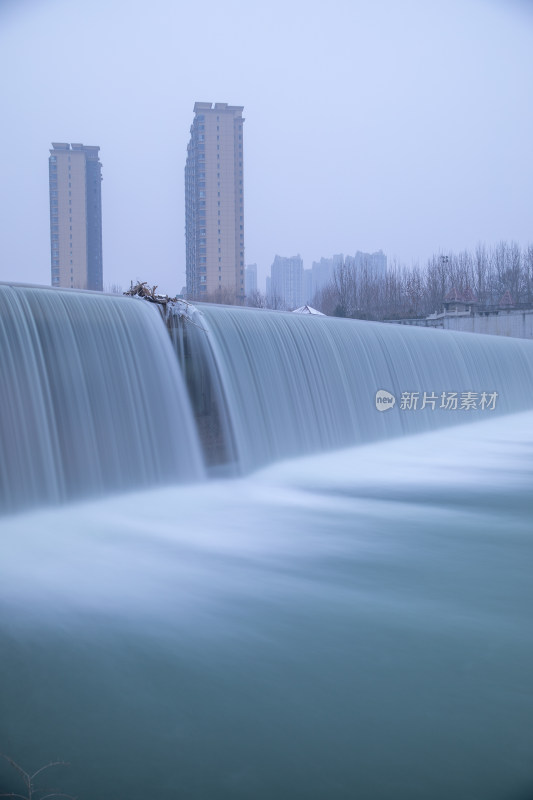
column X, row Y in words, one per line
column 216, row 107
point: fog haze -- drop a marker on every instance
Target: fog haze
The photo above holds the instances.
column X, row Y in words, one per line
column 405, row 127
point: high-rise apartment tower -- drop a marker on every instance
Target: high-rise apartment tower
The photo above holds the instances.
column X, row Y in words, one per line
column 75, row 175
column 214, row 204
column 286, row 284
column 250, row 279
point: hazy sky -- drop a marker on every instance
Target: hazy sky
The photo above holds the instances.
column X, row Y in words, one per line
column 405, row 125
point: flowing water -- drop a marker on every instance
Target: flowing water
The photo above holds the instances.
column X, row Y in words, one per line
column 296, row 383
column 351, row 624
column 90, row 398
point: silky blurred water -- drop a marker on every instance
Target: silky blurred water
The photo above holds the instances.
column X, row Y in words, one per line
column 90, row 395
column 297, row 383
column 354, row 624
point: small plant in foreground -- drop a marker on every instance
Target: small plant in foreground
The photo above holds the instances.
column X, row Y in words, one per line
column 31, row 792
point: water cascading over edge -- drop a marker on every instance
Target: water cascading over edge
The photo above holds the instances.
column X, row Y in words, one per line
column 91, row 398
column 275, row 385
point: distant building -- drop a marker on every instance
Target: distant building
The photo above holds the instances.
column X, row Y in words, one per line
column 308, row 293
column 289, row 281
column 286, row 284
column 323, row 272
column 250, row 279
column 75, row 176
column 456, row 303
column 375, row 264
column 214, row 203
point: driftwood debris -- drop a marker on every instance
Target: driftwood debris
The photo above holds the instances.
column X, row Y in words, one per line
column 170, row 307
column 141, row 289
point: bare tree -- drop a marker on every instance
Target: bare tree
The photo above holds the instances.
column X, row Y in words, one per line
column 31, row 793
column 274, row 302
column 113, row 288
column 527, row 274
column 416, row 291
column 256, row 300
column 345, row 286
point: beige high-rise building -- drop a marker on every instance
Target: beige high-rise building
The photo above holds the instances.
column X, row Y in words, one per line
column 75, row 175
column 214, row 204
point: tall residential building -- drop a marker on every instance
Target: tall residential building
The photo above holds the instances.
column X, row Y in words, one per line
column 75, row 176
column 307, row 290
column 214, row 204
column 375, row 264
column 371, row 265
column 286, row 284
column 323, row 272
column 250, row 279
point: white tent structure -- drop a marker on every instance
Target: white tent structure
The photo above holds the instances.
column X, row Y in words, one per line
column 308, row 310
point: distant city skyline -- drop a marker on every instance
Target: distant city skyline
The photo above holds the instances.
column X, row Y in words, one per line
column 424, row 149
column 290, row 284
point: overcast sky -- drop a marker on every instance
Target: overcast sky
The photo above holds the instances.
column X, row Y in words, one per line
column 401, row 125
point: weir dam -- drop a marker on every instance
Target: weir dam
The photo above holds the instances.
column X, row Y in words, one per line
column 227, row 572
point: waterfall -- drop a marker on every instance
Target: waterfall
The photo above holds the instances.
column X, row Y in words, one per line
column 91, row 398
column 295, row 384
